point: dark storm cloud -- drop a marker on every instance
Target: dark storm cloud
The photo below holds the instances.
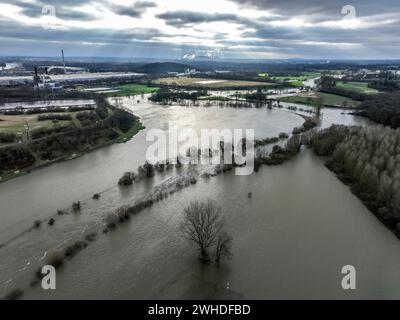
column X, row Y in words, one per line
column 127, row 11
column 100, row 36
column 183, row 17
column 145, row 4
column 135, row 10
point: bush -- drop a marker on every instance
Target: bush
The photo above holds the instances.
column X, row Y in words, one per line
column 111, row 221
column 122, row 214
column 127, row 179
column 72, row 250
column 36, row 224
column 91, row 236
column 76, row 206
column 56, row 258
column 15, row 158
column 7, row 137
column 58, row 117
column 146, row 170
column 14, row 294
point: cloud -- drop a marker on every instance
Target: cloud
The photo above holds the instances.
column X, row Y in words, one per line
column 184, row 18
column 245, row 28
column 134, row 11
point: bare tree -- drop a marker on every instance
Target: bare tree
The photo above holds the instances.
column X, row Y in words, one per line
column 223, row 247
column 320, row 102
column 202, row 224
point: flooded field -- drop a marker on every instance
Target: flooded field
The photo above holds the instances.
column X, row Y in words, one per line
column 289, row 241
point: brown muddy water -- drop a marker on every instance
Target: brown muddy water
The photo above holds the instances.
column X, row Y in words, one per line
column 290, row 240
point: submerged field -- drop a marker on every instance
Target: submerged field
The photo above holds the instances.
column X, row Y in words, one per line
column 288, row 235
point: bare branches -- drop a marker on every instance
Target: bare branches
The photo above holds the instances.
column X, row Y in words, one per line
column 202, row 225
column 223, row 247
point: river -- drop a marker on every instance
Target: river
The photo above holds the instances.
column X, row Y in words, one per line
column 289, row 241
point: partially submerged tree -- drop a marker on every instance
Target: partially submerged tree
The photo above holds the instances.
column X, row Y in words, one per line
column 202, row 224
column 223, row 247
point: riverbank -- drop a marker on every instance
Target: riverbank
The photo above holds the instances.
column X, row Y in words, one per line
column 86, row 132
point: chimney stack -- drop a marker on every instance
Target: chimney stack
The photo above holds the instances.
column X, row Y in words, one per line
column 62, row 52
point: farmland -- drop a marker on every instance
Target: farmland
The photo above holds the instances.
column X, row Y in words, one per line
column 327, row 99
column 133, row 89
column 15, row 123
column 210, row 83
column 360, row 87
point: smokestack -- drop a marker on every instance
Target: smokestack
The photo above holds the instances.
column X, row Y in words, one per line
column 62, row 52
column 36, row 72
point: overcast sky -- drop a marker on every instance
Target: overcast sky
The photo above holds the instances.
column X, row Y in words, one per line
column 262, row 29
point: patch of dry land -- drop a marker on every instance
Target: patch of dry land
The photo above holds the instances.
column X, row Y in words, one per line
column 210, row 83
column 16, row 123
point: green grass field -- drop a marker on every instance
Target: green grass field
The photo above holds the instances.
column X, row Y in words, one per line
column 16, row 123
column 360, row 87
column 327, row 99
column 133, row 89
column 303, row 77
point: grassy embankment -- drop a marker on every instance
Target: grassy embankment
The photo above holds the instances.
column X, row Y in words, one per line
column 330, row 99
column 361, row 87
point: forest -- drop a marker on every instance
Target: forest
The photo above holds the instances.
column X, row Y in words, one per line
column 383, row 108
column 367, row 159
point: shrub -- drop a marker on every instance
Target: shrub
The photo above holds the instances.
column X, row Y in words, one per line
column 51, row 222
column 14, row 294
column 58, row 117
column 111, row 221
column 36, row 224
column 72, row 250
column 127, row 179
column 146, row 170
column 56, row 258
column 76, row 206
column 7, row 137
column 122, row 214
column 91, row 236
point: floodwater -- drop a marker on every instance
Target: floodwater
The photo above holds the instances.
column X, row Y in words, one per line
column 48, row 103
column 290, row 240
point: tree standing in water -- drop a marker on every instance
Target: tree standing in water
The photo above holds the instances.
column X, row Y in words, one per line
column 202, row 225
